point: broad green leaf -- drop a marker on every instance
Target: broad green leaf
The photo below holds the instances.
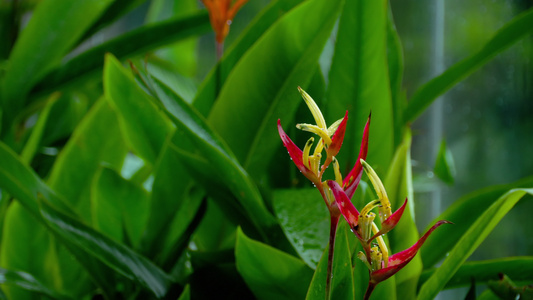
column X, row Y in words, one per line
column 471, row 239
column 444, row 166
column 213, row 148
column 119, row 257
column 186, row 294
column 97, row 140
column 269, row 272
column 28, row 282
column 359, row 83
column 342, row 282
column 518, row 268
column 304, row 219
column 287, row 53
column 399, row 187
column 21, row 182
column 138, row 41
column 462, row 213
column 53, row 36
column 118, row 206
column 518, row 28
column 211, row 86
column 144, row 125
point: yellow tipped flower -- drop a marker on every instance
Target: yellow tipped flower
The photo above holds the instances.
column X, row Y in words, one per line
column 385, row 208
column 317, row 114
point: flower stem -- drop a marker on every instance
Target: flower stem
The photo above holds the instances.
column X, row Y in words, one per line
column 334, row 221
column 369, row 290
column 219, row 50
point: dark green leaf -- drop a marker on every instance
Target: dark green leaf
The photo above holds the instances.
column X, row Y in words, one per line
column 462, row 213
column 28, row 282
column 471, row 239
column 122, row 259
column 269, row 272
column 138, row 41
column 287, row 55
column 342, row 282
column 518, row 28
column 508, row 290
column 304, row 219
column 444, row 166
column 53, row 36
column 518, row 268
column 359, row 82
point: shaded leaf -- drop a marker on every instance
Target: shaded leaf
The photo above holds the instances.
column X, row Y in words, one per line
column 270, row 273
column 444, row 166
column 27, row 282
column 463, row 213
column 518, row 28
column 54, row 37
column 470, row 241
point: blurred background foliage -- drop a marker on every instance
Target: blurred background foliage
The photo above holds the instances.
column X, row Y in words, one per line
column 485, row 122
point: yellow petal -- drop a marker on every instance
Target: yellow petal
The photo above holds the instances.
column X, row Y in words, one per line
column 317, row 114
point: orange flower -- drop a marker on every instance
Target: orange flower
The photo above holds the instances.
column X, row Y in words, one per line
column 221, row 13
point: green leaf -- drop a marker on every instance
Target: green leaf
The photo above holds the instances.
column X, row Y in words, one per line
column 518, row 28
column 213, row 148
column 28, row 282
column 462, row 213
column 97, row 140
column 444, row 166
column 470, row 241
column 269, row 272
column 144, row 125
column 507, row 289
column 399, row 186
column 518, row 268
column 138, row 41
column 359, row 82
column 119, row 257
column 118, row 206
column 211, row 86
column 304, row 219
column 342, row 282
column 287, row 53
column 54, row 27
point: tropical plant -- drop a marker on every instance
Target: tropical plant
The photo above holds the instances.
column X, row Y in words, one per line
column 120, row 177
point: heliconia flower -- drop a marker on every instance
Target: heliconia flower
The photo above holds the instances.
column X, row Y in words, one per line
column 399, row 260
column 351, row 181
column 221, row 14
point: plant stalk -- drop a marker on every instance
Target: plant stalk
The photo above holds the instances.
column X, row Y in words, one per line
column 369, row 290
column 334, row 221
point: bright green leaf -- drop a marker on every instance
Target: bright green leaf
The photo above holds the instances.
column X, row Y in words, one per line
column 28, row 282
column 359, row 82
column 304, row 219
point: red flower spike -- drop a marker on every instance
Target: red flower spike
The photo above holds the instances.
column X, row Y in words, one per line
column 401, row 259
column 391, row 221
column 221, row 13
column 350, row 213
column 352, row 180
column 338, row 137
column 296, row 155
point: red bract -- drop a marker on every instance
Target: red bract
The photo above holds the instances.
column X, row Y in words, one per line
column 296, row 155
column 399, row 260
column 221, row 13
column 351, row 181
